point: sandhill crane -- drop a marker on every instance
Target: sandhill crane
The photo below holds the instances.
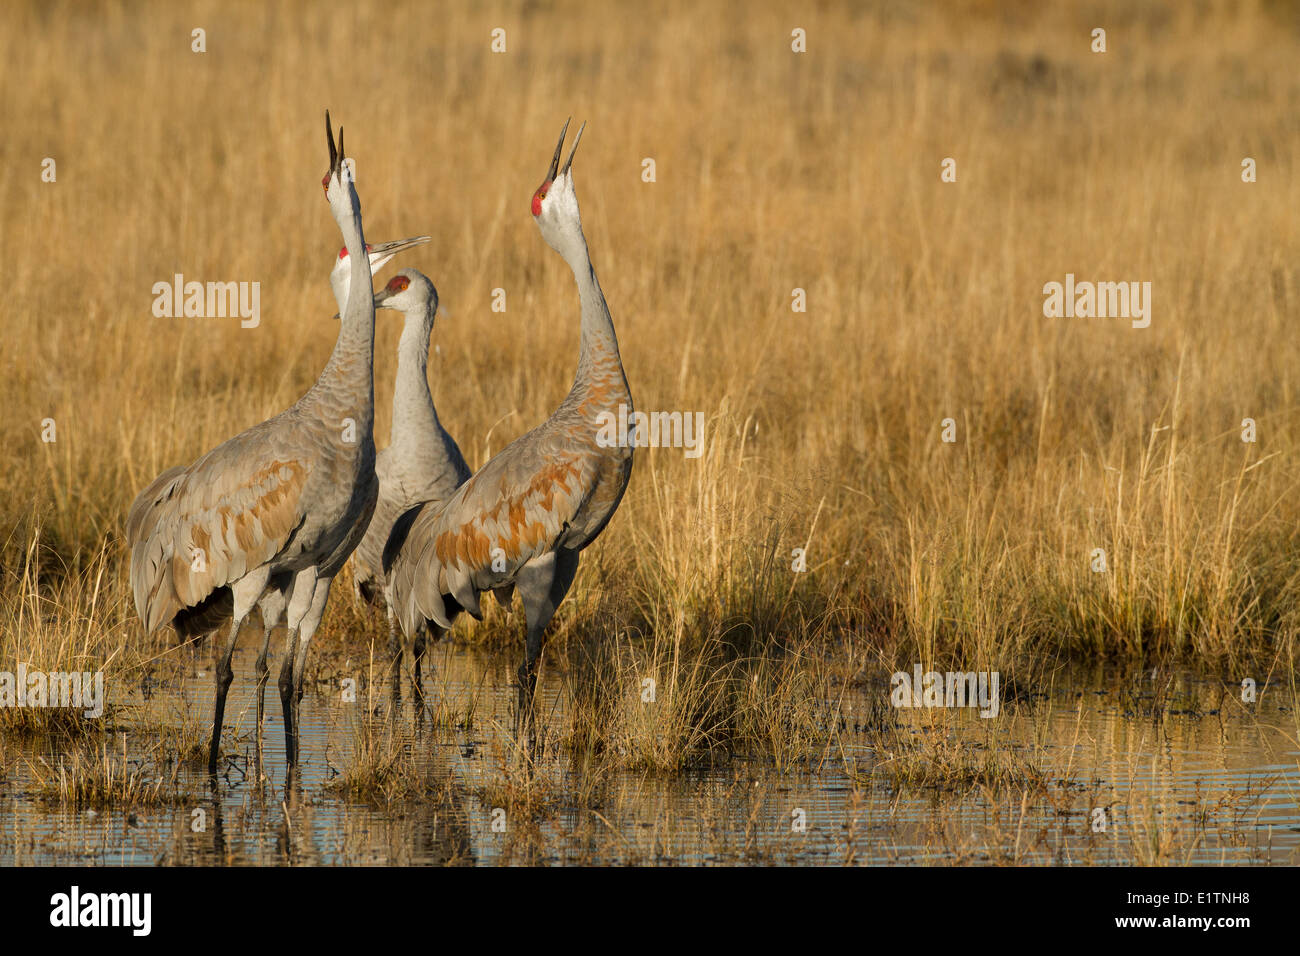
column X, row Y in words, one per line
column 288, row 499
column 272, row 605
column 421, row 463
column 521, row 520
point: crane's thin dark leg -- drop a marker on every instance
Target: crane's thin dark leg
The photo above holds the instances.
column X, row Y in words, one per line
column 395, row 641
column 263, row 672
column 302, row 627
column 224, row 674
column 285, row 683
column 527, row 675
column 272, row 607
column 300, row 604
column 244, row 595
column 417, row 655
column 542, row 585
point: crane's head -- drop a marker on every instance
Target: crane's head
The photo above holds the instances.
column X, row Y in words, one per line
column 555, row 204
column 409, row 291
column 379, row 254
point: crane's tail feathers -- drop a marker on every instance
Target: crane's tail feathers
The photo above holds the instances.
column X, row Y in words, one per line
column 143, row 508
column 463, row 590
column 150, row 558
column 434, row 606
column 413, row 615
column 451, row 611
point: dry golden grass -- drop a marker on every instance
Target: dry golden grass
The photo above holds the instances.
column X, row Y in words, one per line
column 774, row 171
column 662, row 704
column 937, row 759
column 90, row 775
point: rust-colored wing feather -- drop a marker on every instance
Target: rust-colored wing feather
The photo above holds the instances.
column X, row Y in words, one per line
column 518, row 506
column 195, row 530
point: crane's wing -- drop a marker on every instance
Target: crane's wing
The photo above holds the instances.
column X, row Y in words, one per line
column 196, row 530
column 518, row 506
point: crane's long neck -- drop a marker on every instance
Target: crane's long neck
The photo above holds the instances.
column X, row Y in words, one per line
column 415, row 420
column 348, row 381
column 600, row 367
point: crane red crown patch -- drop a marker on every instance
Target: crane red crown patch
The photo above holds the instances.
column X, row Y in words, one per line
column 539, row 196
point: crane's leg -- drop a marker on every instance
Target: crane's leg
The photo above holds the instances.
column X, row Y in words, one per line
column 430, row 633
column 224, row 675
column 285, row 683
column 395, row 641
column 542, row 584
column 304, row 586
column 262, row 673
column 310, row 621
column 245, row 592
column 272, row 608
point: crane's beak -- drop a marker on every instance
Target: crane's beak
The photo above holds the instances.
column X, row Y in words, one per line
column 555, row 160
column 336, row 155
column 382, row 297
column 576, row 140
column 329, row 137
column 381, row 252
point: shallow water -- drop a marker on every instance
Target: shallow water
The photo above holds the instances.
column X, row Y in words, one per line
column 1169, row 769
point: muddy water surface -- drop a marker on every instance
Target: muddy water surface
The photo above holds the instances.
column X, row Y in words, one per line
column 1169, row 769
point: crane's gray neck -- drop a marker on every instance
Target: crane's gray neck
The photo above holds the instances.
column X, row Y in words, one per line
column 415, row 420
column 598, row 353
column 348, row 380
